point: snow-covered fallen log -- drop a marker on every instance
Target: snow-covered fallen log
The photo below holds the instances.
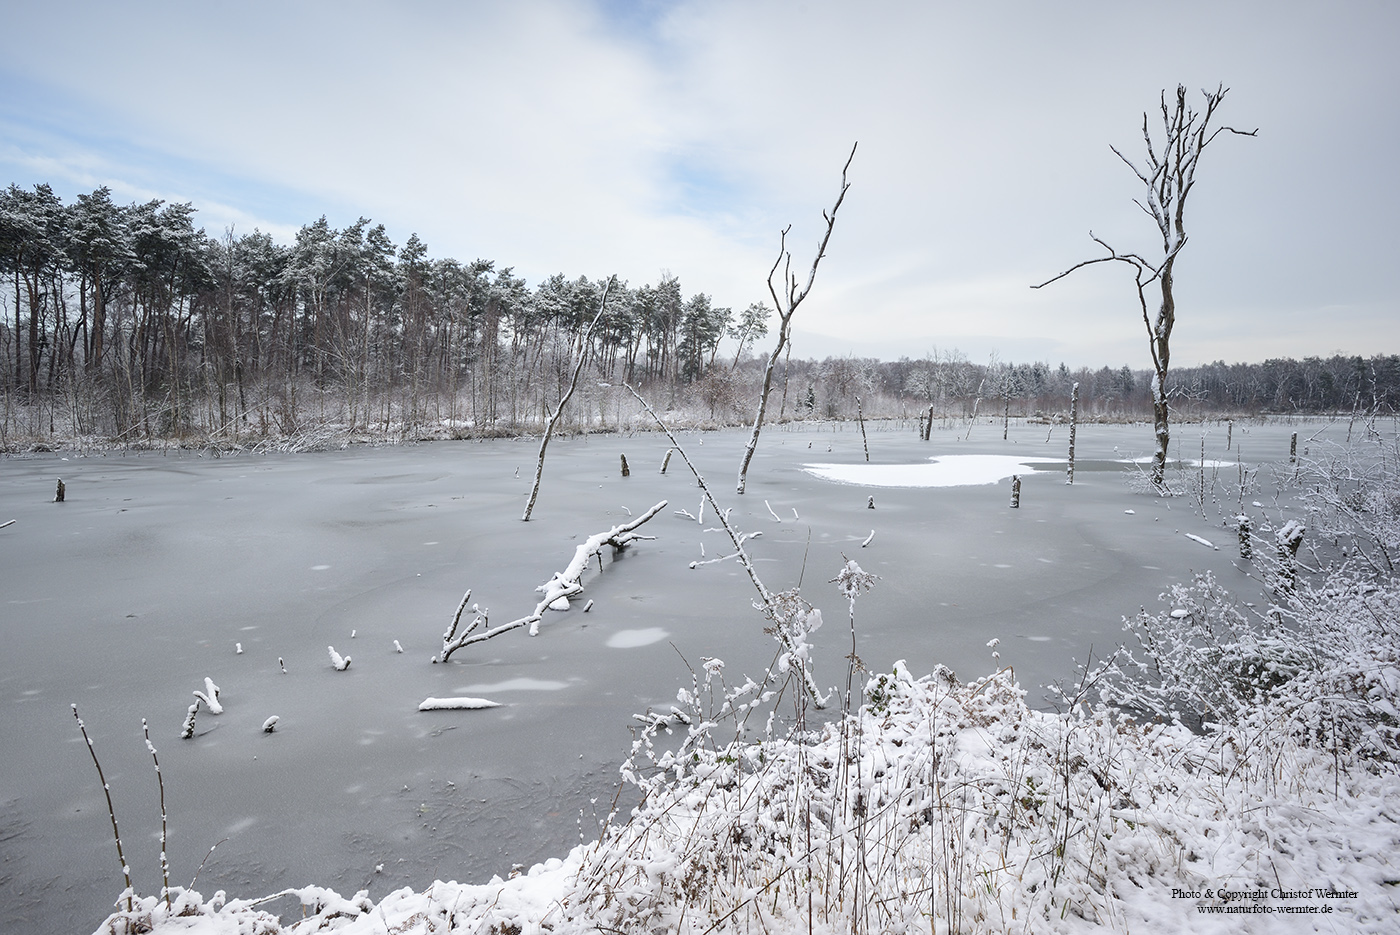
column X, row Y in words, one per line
column 456, row 704
column 557, row 590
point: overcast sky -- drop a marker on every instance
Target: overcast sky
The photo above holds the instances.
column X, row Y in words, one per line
column 603, row 136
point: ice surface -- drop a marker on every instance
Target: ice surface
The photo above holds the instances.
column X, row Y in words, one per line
column 126, row 596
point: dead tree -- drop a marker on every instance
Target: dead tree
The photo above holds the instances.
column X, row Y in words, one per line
column 786, row 303
column 1168, row 175
column 865, row 442
column 573, row 384
column 1073, row 424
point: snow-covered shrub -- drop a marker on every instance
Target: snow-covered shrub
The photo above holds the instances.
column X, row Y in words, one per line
column 952, row 807
column 1319, row 664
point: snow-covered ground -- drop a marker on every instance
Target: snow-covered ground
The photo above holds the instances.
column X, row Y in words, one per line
column 126, row 597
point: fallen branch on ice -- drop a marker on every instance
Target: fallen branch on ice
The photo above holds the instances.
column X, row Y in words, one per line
column 567, row 583
column 563, row 585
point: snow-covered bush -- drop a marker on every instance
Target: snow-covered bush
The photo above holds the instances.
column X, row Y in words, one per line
column 1318, row 663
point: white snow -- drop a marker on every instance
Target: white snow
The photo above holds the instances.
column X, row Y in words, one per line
column 942, row 471
column 522, row 684
column 1203, row 541
column 456, row 704
column 1024, row 821
column 631, row 639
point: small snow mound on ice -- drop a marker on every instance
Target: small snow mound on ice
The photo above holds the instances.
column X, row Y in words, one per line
column 456, row 704
column 631, row 639
column 1205, row 542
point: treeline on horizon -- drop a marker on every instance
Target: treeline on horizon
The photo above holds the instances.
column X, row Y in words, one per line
column 127, row 321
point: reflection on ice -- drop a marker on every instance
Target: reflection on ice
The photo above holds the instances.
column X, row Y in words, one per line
column 944, row 471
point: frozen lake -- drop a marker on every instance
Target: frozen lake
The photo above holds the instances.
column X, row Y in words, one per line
column 124, row 598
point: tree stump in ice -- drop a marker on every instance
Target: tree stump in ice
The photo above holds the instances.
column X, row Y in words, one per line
column 1246, row 543
column 1015, row 491
column 626, row 472
column 58, row 492
column 1293, row 449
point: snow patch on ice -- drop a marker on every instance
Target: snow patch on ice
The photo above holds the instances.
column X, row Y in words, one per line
column 631, row 639
column 942, row 471
column 519, row 685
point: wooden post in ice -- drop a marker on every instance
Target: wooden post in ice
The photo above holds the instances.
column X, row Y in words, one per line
column 1246, row 544
column 1229, row 433
column 1015, row 491
column 666, row 461
column 1073, row 424
column 928, row 426
column 1005, row 413
column 625, row 471
column 1292, row 451
column 58, row 492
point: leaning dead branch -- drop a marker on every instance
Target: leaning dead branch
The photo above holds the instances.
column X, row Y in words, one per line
column 584, row 344
column 785, row 300
column 781, row 608
column 559, row 588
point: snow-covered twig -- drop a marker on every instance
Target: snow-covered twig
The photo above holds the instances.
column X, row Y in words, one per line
column 187, row 729
column 111, row 811
column 338, row 662
column 776, row 517
column 210, row 696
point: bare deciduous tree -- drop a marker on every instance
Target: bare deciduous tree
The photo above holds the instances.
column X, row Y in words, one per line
column 786, row 303
column 1168, row 175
